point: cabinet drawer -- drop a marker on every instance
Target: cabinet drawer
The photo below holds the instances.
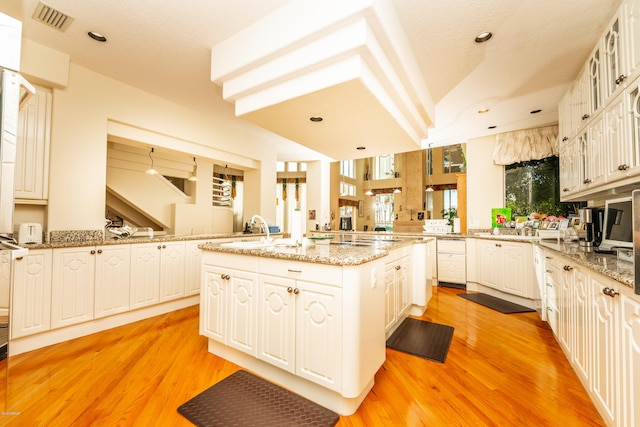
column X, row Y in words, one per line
column 318, row 273
column 457, row 246
column 238, row 262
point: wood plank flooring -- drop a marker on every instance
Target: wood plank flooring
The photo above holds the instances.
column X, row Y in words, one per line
column 502, row 370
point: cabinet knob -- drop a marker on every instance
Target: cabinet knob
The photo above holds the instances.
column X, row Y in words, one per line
column 620, row 79
column 296, row 291
column 289, row 289
column 159, row 247
column 398, row 267
column 623, row 167
column 225, row 277
column 565, row 139
column 164, row 246
column 498, row 245
column 19, row 258
column 550, row 285
column 585, row 117
column 93, row 252
column 567, row 268
column 610, row 292
column 565, row 189
column 99, row 251
column 586, row 181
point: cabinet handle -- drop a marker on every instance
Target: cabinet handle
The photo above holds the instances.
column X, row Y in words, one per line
column 548, row 257
column 294, row 271
column 19, row 258
column 289, row 289
column 610, row 292
column 623, row 167
column 567, row 268
column 93, row 252
column 550, row 285
column 586, row 181
column 620, row 79
column 296, row 291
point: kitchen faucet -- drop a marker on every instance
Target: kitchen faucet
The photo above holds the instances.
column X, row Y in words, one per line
column 266, row 227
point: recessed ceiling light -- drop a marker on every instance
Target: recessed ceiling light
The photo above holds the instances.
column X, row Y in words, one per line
column 361, row 148
column 97, row 36
column 492, row 127
column 315, row 118
column 483, row 110
column 483, row 37
column 535, row 111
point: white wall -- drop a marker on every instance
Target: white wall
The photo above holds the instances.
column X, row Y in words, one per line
column 93, row 105
column 485, row 182
column 318, row 191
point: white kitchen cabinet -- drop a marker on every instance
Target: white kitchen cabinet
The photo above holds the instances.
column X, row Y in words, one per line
column 507, row 266
column 112, row 269
column 32, row 149
column 193, row 266
column 157, row 273
column 300, row 327
column 604, row 351
column 565, row 309
column 229, row 307
column 72, row 287
column 580, row 322
column 569, row 168
column 620, row 161
column 630, row 362
column 613, row 68
column 631, row 19
column 31, row 304
column 451, row 258
column 397, row 292
column 596, row 159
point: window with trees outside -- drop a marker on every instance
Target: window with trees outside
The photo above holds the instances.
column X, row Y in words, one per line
column 534, row 186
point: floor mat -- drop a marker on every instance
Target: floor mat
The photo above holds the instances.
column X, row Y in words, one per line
column 242, row 399
column 496, row 304
column 421, row 338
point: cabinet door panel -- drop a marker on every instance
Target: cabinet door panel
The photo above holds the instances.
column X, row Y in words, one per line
column 172, row 267
column 31, row 305
column 318, row 334
column 516, row 267
column 193, row 267
column 242, row 311
column 390, row 296
column 213, row 303
column 277, row 322
column 145, row 275
column 72, row 289
column 112, row 280
column 580, row 321
column 630, row 372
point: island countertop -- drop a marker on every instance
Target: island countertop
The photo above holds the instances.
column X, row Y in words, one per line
column 321, row 253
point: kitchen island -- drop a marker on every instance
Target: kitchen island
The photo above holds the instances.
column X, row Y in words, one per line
column 311, row 318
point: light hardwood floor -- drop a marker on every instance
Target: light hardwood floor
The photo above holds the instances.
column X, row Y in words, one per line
column 501, row 370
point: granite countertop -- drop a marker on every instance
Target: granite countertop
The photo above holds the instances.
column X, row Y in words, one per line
column 321, row 253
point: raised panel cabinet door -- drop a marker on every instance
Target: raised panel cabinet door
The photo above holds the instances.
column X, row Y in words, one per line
column 632, row 38
column 172, row 270
column 565, row 307
column 597, row 155
column 319, row 334
column 277, row 322
column 213, row 303
column 145, row 275
column 580, row 324
column 604, row 356
column 613, row 75
column 72, row 287
column 403, row 278
column 516, row 265
column 242, row 311
column 390, row 295
column 31, row 305
column 620, row 161
column 630, row 366
column 488, row 266
column 193, row 267
column 112, row 279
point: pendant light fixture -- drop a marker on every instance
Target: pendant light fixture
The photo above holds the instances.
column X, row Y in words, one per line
column 397, row 189
column 193, row 177
column 151, row 170
column 367, row 177
column 430, row 187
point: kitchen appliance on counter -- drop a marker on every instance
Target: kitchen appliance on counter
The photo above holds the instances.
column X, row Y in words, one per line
column 29, row 233
column 592, row 220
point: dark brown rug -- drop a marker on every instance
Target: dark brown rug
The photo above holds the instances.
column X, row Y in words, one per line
column 496, row 304
column 242, row 399
column 421, row 338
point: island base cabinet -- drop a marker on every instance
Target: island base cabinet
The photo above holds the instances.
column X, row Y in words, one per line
column 299, row 328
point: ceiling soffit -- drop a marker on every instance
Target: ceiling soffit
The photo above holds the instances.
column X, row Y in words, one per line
column 347, row 62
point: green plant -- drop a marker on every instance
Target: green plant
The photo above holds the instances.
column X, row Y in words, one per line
column 449, row 214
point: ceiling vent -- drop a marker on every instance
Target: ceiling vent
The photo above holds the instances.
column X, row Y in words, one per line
column 52, row 17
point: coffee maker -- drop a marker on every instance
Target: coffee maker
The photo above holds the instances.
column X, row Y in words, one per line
column 592, row 220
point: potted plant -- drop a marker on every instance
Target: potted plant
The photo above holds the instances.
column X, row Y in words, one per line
column 449, row 214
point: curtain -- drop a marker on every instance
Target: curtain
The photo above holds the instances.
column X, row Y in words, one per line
column 528, row 144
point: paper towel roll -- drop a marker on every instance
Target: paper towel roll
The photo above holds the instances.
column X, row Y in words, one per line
column 296, row 226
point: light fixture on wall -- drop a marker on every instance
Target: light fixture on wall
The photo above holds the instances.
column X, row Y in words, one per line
column 397, row 190
column 193, row 177
column 430, row 187
column 151, row 170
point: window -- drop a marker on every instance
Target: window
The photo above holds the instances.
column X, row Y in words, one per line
column 347, row 168
column 347, row 189
column 383, row 167
column 453, row 160
column 534, row 186
column 383, row 210
column 450, row 199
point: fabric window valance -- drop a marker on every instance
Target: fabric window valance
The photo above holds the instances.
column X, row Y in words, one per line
column 528, row 144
